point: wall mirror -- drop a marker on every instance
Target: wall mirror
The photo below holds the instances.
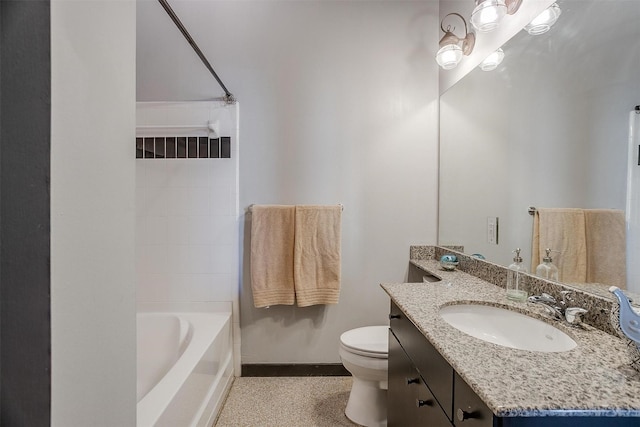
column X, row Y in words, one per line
column 548, row 128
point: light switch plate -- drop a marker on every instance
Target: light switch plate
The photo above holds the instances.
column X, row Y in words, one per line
column 492, row 230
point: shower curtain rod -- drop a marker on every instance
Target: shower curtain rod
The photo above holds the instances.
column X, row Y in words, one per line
column 228, row 97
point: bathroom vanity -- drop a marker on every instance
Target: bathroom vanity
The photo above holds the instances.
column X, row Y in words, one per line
column 440, row 376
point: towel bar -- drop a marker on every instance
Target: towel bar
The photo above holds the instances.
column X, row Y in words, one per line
column 250, row 208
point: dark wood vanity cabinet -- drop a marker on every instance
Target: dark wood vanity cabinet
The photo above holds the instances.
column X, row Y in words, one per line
column 469, row 409
column 424, row 390
column 422, row 385
column 411, row 403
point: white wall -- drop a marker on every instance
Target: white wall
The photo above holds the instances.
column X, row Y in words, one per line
column 92, row 213
column 339, row 105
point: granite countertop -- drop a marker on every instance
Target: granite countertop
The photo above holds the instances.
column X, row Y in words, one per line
column 595, row 378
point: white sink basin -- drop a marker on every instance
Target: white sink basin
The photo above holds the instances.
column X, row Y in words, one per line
column 507, row 328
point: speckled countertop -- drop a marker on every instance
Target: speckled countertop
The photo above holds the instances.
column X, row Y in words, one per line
column 595, row 378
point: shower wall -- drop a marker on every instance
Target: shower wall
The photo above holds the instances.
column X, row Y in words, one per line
column 187, row 208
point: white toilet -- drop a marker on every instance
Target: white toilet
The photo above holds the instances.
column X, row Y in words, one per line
column 364, row 353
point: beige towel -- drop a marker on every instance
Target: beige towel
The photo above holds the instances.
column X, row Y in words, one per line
column 272, row 246
column 561, row 230
column 606, row 247
column 317, row 255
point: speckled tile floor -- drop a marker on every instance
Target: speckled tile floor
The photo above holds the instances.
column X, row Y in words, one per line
column 286, row 401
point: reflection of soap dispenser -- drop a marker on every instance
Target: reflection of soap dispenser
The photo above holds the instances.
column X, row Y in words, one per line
column 515, row 286
column 546, row 269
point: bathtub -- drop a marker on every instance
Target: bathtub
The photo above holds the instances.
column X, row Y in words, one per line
column 184, row 368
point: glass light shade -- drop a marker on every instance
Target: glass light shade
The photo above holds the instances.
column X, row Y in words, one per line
column 543, row 22
column 449, row 56
column 487, row 15
column 492, row 61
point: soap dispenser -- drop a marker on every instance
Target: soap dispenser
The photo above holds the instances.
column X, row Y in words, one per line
column 547, row 270
column 515, row 285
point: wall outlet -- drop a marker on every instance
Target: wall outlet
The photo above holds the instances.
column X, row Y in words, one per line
column 492, row 230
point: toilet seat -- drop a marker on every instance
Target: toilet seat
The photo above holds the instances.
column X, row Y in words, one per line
column 368, row 341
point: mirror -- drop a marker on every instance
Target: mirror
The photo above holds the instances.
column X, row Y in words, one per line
column 548, row 128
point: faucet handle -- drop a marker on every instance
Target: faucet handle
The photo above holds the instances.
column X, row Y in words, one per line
column 547, row 297
column 567, row 296
column 543, row 297
column 573, row 315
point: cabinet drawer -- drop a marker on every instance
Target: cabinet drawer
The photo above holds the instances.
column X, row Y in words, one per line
column 435, row 371
column 409, row 401
column 469, row 409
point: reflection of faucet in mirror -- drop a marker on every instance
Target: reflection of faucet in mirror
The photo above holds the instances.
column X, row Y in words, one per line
column 509, row 133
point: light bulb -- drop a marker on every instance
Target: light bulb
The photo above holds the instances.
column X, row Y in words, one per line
column 492, row 61
column 487, row 15
column 543, row 22
column 449, row 56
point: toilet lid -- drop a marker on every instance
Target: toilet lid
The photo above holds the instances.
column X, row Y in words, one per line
column 368, row 339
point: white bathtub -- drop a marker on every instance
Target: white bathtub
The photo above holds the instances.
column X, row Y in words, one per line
column 184, row 368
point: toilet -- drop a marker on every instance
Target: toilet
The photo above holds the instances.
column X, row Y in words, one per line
column 364, row 352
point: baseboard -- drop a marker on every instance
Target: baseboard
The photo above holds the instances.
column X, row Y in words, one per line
column 294, row 370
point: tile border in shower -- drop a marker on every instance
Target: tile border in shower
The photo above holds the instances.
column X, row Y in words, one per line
column 183, row 147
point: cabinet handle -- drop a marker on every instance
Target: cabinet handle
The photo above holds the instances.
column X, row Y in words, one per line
column 420, row 403
column 394, row 316
column 464, row 415
column 413, row 380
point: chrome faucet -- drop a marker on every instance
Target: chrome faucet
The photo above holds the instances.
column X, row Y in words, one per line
column 560, row 310
column 549, row 303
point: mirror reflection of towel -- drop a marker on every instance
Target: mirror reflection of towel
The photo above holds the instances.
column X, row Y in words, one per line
column 606, row 247
column 561, row 230
column 590, row 242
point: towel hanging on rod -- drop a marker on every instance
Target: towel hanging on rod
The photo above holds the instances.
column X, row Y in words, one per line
column 295, row 254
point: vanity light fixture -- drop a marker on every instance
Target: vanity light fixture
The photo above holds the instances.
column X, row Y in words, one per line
column 453, row 47
column 543, row 22
column 488, row 14
column 492, row 61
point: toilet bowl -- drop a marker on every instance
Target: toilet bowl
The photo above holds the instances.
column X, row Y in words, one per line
column 364, row 352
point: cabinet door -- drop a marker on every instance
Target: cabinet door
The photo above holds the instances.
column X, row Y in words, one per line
column 401, row 409
column 409, row 401
column 468, row 409
column 435, row 371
